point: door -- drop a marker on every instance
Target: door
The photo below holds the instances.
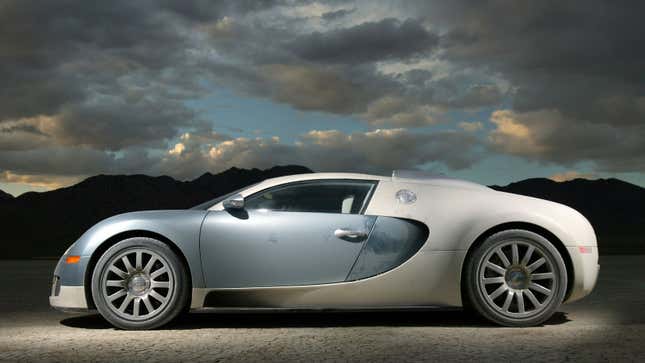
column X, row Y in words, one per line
column 296, row 234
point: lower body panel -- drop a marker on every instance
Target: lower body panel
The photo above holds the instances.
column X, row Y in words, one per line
column 430, row 278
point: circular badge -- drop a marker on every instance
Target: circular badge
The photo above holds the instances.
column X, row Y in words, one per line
column 406, row 196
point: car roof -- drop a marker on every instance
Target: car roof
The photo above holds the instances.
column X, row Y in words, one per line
column 397, row 176
column 441, row 181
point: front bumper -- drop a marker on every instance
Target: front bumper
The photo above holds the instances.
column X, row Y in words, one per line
column 585, row 271
column 69, row 299
column 67, row 289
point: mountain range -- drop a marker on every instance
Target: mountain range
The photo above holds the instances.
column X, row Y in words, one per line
column 36, row 225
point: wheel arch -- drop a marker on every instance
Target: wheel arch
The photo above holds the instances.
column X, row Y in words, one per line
column 105, row 245
column 531, row 227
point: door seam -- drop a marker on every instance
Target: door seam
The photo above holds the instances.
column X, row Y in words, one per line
column 362, row 248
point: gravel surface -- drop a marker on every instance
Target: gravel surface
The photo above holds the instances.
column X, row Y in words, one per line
column 609, row 325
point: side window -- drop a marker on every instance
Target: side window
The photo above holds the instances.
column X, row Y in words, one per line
column 323, row 197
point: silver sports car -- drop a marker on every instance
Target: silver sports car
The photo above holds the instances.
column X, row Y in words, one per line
column 335, row 241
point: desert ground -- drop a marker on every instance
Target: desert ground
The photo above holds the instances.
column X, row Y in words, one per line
column 609, row 325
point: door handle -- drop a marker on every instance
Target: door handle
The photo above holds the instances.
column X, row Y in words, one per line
column 348, row 235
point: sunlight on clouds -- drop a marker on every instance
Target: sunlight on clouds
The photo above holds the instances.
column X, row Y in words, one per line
column 45, row 181
column 570, row 175
column 512, row 133
column 507, row 124
column 379, row 150
column 177, row 150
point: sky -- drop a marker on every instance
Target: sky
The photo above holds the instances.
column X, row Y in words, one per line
column 489, row 91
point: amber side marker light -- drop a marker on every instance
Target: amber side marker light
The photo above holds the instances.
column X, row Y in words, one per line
column 72, row 259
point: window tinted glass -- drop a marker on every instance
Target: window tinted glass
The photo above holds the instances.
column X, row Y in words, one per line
column 322, row 197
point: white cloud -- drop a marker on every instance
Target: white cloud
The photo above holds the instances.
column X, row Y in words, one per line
column 377, row 151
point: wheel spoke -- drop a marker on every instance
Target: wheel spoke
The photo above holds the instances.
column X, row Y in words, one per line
column 115, row 283
column 136, row 308
column 520, row 302
column 149, row 265
column 162, row 284
column 122, row 274
column 148, row 304
column 539, row 288
column 157, row 296
column 500, row 270
column 116, row 295
column 138, row 262
column 543, row 276
column 527, row 256
column 535, row 265
column 160, row 271
column 516, row 254
column 124, row 304
column 529, row 294
column 507, row 302
column 493, row 280
column 500, row 290
column 128, row 265
column 502, row 256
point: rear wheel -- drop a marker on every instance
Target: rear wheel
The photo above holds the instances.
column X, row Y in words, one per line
column 139, row 283
column 516, row 278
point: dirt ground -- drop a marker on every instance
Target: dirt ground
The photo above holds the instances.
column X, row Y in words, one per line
column 609, row 325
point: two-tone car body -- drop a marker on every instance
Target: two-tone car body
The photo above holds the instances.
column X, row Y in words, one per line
column 335, row 241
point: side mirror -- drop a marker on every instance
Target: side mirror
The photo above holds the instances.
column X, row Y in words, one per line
column 235, row 202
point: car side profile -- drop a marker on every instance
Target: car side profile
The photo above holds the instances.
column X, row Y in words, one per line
column 337, row 241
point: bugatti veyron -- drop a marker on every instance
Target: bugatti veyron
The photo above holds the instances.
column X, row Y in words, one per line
column 335, row 241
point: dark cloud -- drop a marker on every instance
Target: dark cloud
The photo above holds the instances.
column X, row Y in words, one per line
column 565, row 55
column 105, row 83
column 372, row 41
column 548, row 136
column 575, row 70
column 205, row 10
column 337, row 14
column 107, row 75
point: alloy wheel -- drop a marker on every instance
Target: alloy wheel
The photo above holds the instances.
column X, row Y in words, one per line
column 137, row 284
column 517, row 278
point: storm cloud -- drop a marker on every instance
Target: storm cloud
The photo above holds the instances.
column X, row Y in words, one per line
column 110, row 87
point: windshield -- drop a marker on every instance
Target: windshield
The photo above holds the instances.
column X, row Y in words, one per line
column 212, row 202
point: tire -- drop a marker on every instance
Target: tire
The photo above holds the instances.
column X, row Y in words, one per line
column 515, row 291
column 140, row 283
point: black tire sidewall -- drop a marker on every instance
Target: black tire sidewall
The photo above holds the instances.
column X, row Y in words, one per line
column 478, row 301
column 179, row 298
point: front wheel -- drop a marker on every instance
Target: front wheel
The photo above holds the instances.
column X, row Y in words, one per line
column 516, row 278
column 139, row 283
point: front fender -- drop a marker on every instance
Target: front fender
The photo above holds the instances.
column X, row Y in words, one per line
column 181, row 227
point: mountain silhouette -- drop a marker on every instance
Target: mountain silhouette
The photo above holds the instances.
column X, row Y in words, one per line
column 44, row 224
column 614, row 208
column 35, row 225
column 5, row 196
